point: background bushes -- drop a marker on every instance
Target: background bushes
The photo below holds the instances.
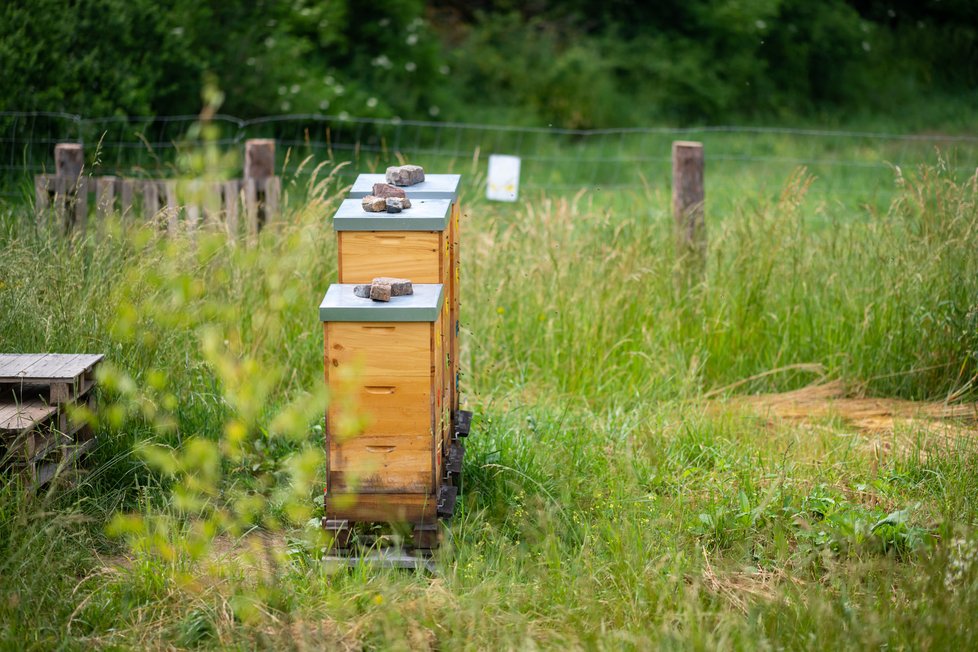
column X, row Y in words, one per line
column 579, row 63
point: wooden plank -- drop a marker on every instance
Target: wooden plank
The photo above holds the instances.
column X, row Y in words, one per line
column 251, row 208
column 42, row 361
column 25, row 416
column 454, row 321
column 273, row 192
column 47, row 472
column 12, row 363
column 151, row 199
column 42, row 195
column 60, row 192
column 383, row 558
column 171, row 207
column 211, row 201
column 398, row 406
column 415, row 255
column 126, row 196
column 64, row 366
column 105, row 196
column 79, row 203
column 391, row 508
column 38, row 443
column 382, row 464
column 382, row 351
column 7, row 411
column 231, row 200
column 46, row 366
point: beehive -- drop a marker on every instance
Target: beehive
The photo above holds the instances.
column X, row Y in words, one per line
column 435, row 187
column 384, row 364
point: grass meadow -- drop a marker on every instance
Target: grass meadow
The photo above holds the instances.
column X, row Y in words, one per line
column 622, row 488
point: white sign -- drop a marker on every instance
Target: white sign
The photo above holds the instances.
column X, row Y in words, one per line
column 503, row 183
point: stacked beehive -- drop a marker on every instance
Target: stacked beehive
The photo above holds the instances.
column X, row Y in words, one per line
column 394, row 424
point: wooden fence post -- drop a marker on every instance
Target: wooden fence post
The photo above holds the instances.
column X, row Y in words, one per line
column 69, row 159
column 259, row 170
column 72, row 205
column 688, row 197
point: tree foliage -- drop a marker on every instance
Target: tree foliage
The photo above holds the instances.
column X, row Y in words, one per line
column 576, row 63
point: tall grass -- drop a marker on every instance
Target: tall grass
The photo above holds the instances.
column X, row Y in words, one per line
column 605, row 504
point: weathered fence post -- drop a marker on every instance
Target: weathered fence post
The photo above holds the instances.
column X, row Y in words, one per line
column 688, row 197
column 104, row 197
column 69, row 161
column 261, row 184
column 67, row 187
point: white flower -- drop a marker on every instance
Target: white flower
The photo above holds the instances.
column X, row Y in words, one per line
column 339, row 89
column 281, row 90
column 344, row 115
column 286, row 105
column 372, row 102
column 324, row 105
column 444, row 70
column 250, row 61
column 269, row 42
column 410, row 66
column 411, row 39
column 433, row 111
column 294, row 89
column 866, row 46
column 328, row 80
column 760, row 24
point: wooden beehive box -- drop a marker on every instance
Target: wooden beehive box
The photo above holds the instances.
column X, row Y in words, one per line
column 413, row 244
column 383, row 429
column 435, row 186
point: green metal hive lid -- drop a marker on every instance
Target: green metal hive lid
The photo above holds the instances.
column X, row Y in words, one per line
column 424, row 215
column 340, row 304
column 434, row 186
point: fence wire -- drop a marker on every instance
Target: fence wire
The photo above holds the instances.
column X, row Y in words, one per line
column 852, row 166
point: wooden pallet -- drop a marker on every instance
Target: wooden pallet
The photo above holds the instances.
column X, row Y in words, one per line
column 68, row 376
column 36, row 435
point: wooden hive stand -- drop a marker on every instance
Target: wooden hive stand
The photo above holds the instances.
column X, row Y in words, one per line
column 36, row 435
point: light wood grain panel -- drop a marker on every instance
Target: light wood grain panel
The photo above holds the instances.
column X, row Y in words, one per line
column 381, row 351
column 399, row 406
column 453, row 301
column 415, row 255
column 382, row 464
column 392, row 508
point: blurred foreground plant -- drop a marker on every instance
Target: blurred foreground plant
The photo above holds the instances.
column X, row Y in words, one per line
column 222, row 332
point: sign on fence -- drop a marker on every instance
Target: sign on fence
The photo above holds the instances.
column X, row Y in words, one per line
column 503, row 183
